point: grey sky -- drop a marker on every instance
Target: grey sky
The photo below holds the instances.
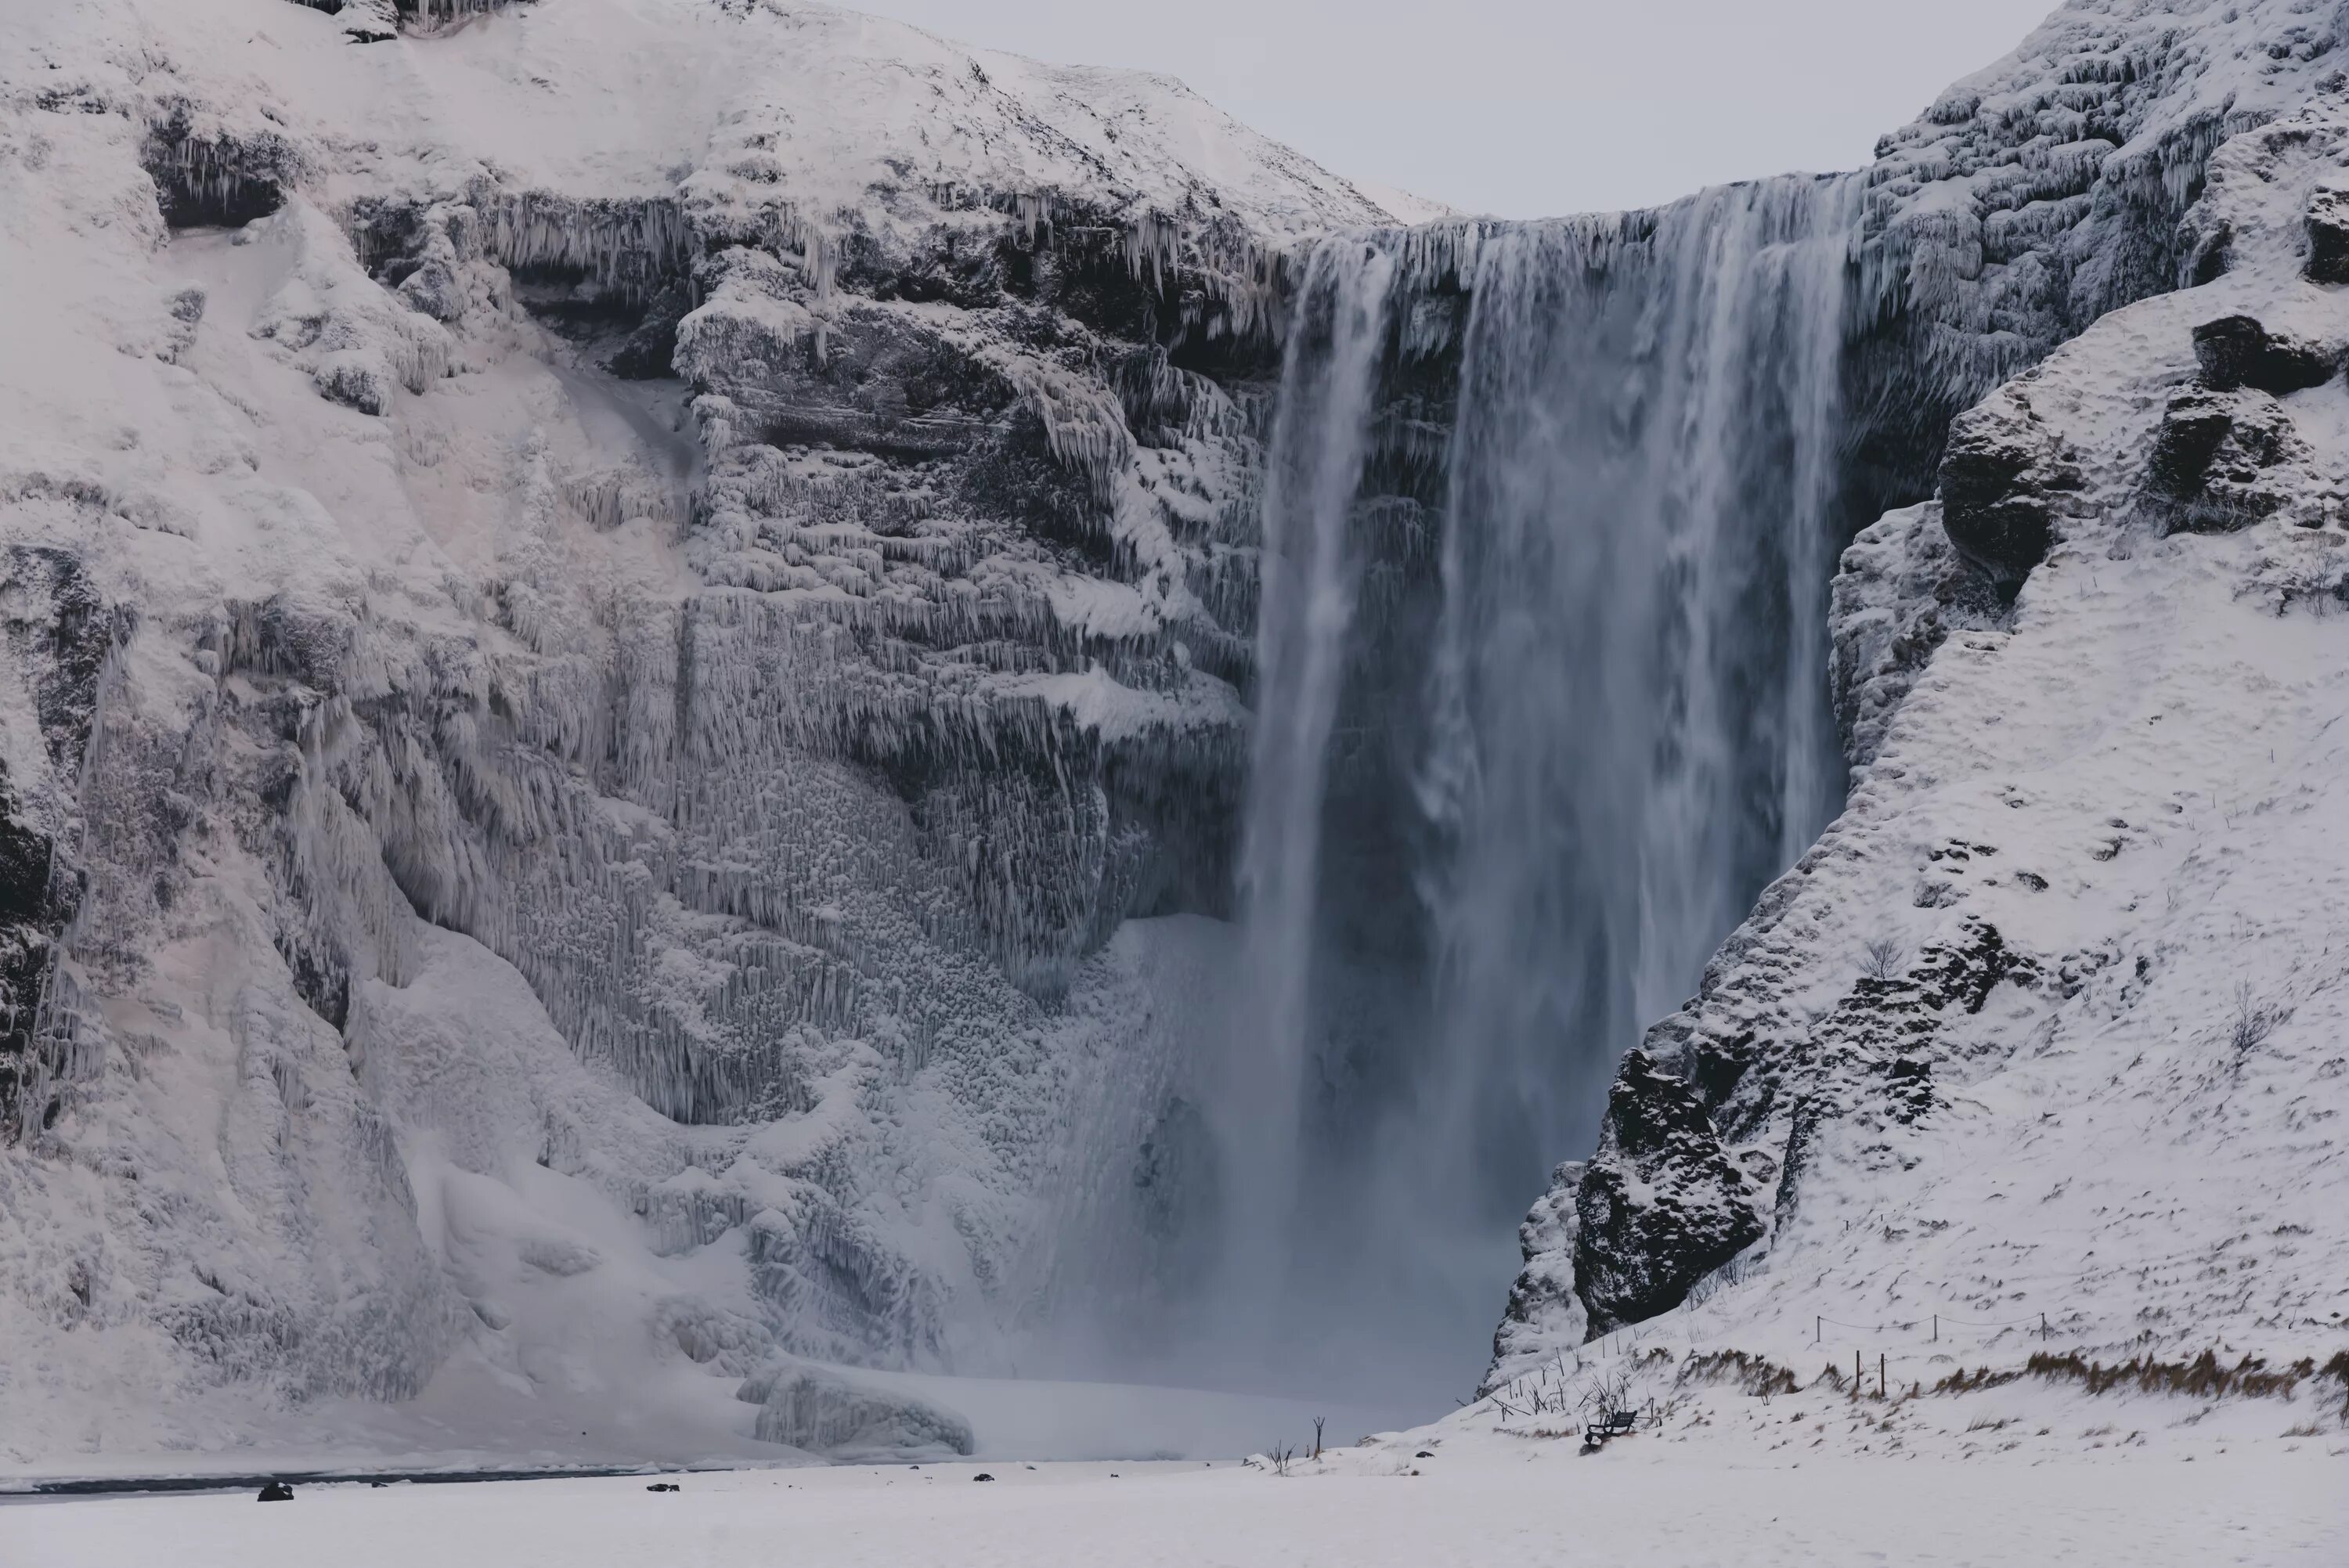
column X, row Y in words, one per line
column 1532, row 107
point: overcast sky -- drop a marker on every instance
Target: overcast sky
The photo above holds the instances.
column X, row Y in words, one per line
column 1531, row 108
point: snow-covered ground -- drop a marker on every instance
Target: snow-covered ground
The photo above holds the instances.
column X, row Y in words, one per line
column 1525, row 1504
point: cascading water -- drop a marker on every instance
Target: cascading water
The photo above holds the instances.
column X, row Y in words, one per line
column 1630, row 730
column 1312, row 566
column 1549, row 517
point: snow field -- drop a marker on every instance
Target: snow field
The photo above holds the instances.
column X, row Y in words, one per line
column 1507, row 1502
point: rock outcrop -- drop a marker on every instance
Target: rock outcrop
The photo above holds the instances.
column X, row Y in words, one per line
column 1660, row 1205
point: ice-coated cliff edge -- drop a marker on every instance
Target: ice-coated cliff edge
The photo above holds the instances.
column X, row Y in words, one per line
column 2048, row 189
column 2038, row 1052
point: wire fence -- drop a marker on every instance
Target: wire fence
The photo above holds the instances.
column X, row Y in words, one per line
column 1933, row 1322
column 1930, row 1348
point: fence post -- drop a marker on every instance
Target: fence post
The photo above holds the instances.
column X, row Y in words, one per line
column 1937, row 1328
column 1818, row 1329
column 1880, row 1374
column 2043, row 1325
column 1855, row 1374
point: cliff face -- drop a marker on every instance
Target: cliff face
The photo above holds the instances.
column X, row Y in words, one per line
column 2040, row 194
column 609, row 605
column 2043, row 1035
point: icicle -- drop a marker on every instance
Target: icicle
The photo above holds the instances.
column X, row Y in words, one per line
column 632, row 247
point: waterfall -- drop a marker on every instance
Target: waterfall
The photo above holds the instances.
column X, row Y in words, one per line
column 1312, row 564
column 1550, row 514
column 1526, row 755
column 1630, row 727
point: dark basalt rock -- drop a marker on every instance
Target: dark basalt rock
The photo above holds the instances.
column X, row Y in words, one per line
column 649, row 350
column 2328, row 237
column 2237, row 351
column 1635, row 1256
column 2196, row 422
column 275, row 1492
column 2213, row 461
column 1996, row 476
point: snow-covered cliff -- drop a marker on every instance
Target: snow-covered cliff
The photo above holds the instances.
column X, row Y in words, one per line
column 2038, row 1051
column 610, row 601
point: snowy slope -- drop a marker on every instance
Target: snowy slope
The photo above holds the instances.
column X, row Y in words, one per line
column 2040, row 1050
column 766, row 110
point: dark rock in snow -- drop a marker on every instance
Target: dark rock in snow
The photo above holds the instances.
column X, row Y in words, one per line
column 982, row 1476
column 1996, row 477
column 2237, row 351
column 275, row 1492
column 2215, row 460
column 2196, row 422
column 355, row 377
column 1660, row 1205
column 2328, row 237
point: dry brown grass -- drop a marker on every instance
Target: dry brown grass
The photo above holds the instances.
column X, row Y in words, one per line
column 1755, row 1375
column 2204, row 1377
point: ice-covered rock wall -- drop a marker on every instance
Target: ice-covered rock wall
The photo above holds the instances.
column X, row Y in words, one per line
column 591, row 687
column 2036, row 195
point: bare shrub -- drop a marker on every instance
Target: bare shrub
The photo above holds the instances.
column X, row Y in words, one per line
column 1964, row 1382
column 2255, row 1020
column 1884, row 959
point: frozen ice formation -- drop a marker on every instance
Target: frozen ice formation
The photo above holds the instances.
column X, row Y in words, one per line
column 826, row 1411
column 586, row 688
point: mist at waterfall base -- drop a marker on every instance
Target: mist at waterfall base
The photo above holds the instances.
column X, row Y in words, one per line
column 1549, row 520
